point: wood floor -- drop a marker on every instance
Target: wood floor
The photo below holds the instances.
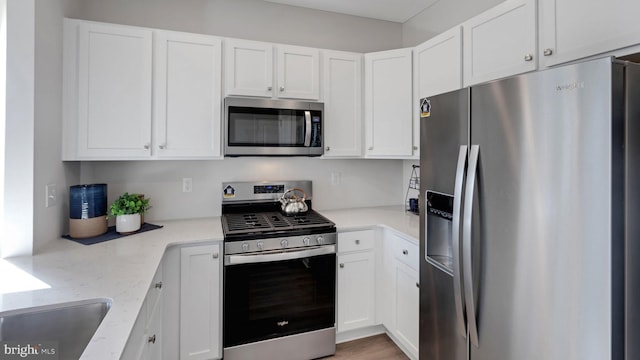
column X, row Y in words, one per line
column 378, row 347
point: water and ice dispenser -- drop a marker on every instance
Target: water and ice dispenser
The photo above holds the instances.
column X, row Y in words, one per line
column 439, row 217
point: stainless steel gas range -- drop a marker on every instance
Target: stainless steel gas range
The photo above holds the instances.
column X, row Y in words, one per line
column 279, row 274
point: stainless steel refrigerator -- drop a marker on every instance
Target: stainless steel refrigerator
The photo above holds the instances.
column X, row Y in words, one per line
column 530, row 233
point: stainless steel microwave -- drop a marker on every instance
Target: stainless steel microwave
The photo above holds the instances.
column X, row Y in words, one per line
column 268, row 127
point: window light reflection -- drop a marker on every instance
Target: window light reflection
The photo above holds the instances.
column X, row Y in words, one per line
column 14, row 279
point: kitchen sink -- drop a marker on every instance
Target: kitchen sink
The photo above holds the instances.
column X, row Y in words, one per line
column 71, row 325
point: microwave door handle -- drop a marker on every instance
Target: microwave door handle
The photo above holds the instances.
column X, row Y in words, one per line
column 307, row 134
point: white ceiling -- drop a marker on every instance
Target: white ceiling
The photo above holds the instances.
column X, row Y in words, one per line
column 390, row 10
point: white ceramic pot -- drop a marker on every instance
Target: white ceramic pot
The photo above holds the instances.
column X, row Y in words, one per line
column 127, row 223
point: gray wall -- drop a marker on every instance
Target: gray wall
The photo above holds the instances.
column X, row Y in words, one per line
column 441, row 16
column 363, row 183
column 250, row 19
column 50, row 223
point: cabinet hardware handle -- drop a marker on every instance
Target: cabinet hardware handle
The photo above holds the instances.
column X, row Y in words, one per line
column 158, row 285
column 415, row 148
column 147, row 145
column 269, row 88
column 341, row 266
column 418, row 285
column 215, row 256
column 405, row 252
column 370, row 147
column 327, row 148
column 548, row 52
column 152, row 339
column 281, row 88
column 357, row 242
column 528, row 57
column 162, row 146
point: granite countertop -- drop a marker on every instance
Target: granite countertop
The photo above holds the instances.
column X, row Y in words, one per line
column 122, row 269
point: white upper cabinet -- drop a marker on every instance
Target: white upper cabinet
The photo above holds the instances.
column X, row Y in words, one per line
column 437, row 68
column 187, row 95
column 573, row 29
column 342, row 94
column 114, row 72
column 500, row 42
column 249, row 70
column 388, row 104
column 437, row 64
column 135, row 94
column 298, row 72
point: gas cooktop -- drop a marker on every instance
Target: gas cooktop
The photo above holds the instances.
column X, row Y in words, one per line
column 252, row 211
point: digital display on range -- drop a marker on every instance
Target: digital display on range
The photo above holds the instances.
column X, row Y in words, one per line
column 268, row 189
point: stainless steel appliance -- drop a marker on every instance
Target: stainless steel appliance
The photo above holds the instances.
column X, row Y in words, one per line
column 267, row 127
column 530, row 238
column 279, row 275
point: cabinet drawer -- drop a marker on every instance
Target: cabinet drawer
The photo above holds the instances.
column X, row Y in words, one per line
column 356, row 240
column 406, row 251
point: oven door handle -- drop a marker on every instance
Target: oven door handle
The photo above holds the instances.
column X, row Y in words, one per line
column 279, row 256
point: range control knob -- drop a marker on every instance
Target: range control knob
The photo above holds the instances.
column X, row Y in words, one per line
column 260, row 245
column 306, row 241
column 245, row 246
column 320, row 240
column 284, row 243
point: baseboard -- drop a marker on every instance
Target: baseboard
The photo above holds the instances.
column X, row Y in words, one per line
column 371, row 331
column 360, row 333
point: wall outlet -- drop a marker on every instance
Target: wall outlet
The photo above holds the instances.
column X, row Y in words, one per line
column 51, row 195
column 336, row 178
column 187, row 185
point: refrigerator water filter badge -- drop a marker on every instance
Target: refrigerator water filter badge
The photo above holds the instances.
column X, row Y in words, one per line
column 425, row 108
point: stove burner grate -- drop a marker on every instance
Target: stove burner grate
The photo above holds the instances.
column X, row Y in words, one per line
column 271, row 221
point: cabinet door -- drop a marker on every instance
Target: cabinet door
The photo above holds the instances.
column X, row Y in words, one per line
column 342, row 94
column 356, row 290
column 407, row 307
column 388, row 100
column 437, row 68
column 114, row 91
column 248, row 68
column 573, row 29
column 298, row 72
column 500, row 42
column 187, row 95
column 200, row 311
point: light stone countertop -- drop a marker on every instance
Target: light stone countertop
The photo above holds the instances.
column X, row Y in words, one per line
column 122, row 270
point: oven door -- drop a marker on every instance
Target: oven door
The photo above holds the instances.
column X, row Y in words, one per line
column 278, row 294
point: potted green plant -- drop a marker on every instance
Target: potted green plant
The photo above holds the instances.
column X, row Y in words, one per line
column 127, row 210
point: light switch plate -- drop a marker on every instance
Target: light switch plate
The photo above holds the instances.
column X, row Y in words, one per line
column 51, row 195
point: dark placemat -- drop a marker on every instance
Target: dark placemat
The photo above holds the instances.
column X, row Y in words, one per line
column 111, row 234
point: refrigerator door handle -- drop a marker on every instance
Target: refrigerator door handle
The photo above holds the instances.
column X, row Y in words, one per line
column 455, row 239
column 466, row 244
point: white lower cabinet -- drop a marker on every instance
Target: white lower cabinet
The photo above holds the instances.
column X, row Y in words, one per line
column 378, row 284
column 406, row 312
column 356, row 290
column 200, row 302
column 145, row 340
column 356, row 280
column 402, row 319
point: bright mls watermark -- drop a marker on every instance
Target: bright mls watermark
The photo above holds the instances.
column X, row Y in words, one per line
column 10, row 350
